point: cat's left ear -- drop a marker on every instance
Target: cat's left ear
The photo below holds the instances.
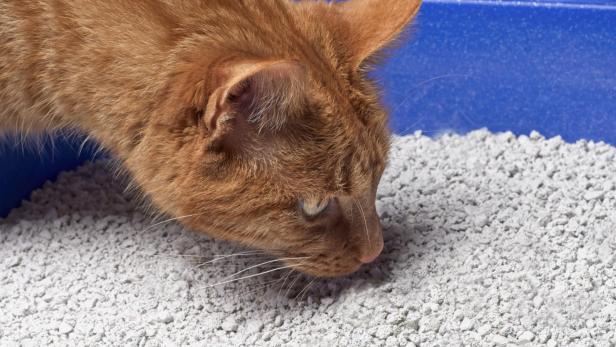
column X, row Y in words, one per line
column 251, row 102
column 263, row 95
column 236, row 105
column 373, row 24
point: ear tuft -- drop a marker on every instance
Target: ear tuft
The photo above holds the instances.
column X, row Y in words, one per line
column 267, row 95
column 252, row 98
column 235, row 102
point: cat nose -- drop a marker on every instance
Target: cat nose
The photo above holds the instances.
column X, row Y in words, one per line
column 373, row 246
column 373, row 254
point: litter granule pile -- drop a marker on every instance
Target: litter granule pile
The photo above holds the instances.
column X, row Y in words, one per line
column 491, row 240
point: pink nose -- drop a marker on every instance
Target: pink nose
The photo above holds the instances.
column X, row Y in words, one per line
column 373, row 254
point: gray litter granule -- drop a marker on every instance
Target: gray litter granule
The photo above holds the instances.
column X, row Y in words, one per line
column 491, row 240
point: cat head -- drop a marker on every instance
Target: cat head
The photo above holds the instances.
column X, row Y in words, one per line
column 270, row 133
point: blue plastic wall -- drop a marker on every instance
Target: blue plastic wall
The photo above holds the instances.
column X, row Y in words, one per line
column 518, row 67
column 23, row 169
column 508, row 65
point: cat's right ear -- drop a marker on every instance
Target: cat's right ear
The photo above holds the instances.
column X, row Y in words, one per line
column 374, row 24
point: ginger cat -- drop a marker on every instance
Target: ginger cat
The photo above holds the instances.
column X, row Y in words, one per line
column 250, row 120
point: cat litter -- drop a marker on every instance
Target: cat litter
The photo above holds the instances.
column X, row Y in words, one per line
column 491, row 240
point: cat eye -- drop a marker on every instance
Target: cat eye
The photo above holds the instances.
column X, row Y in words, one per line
column 313, row 207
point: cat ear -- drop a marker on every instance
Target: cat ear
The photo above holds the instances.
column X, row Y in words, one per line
column 375, row 23
column 262, row 95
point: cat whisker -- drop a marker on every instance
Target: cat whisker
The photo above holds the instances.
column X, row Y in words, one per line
column 171, row 220
column 213, row 258
column 303, row 292
column 286, row 277
column 286, row 294
column 282, row 279
column 261, row 286
column 200, row 260
column 361, row 211
column 423, row 83
column 175, row 256
column 252, row 252
column 82, row 146
column 308, row 289
column 440, row 78
column 248, row 276
column 261, row 264
column 221, row 257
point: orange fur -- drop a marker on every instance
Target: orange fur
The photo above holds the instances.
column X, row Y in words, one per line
column 229, row 112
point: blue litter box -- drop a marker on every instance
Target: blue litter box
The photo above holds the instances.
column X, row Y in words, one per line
column 548, row 66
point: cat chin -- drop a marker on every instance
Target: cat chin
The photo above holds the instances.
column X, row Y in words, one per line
column 324, row 272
